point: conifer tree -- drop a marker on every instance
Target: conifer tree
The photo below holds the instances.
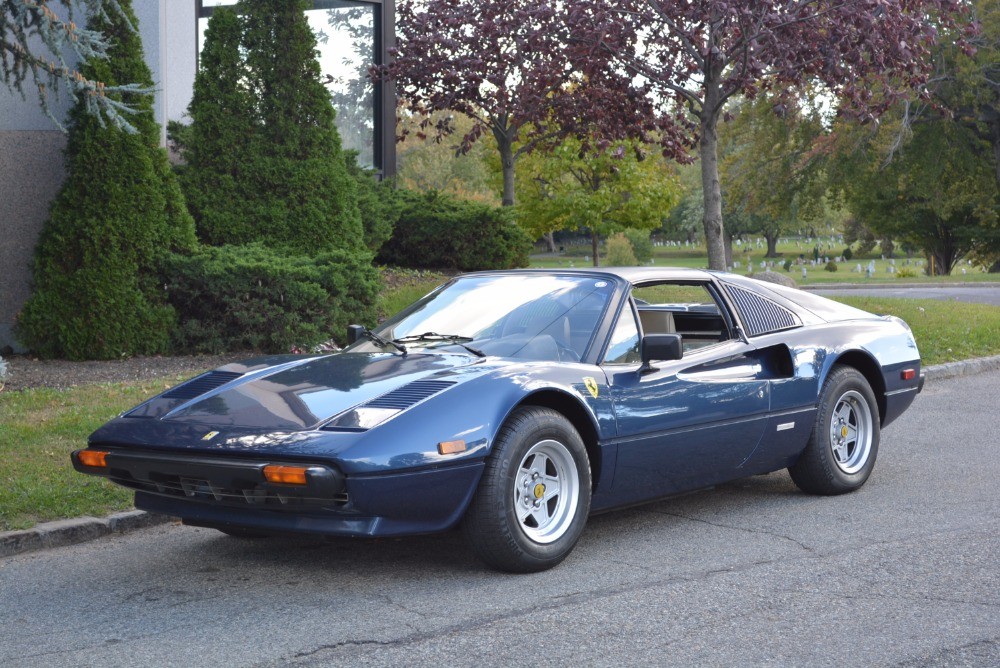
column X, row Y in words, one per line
column 266, row 137
column 215, row 146
column 119, row 211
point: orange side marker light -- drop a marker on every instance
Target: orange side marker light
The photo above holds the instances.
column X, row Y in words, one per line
column 908, row 374
column 94, row 458
column 451, row 447
column 285, row 475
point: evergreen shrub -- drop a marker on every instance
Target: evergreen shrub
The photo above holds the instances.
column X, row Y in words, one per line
column 264, row 159
column 256, row 298
column 437, row 231
column 787, row 266
column 378, row 202
column 848, row 253
column 831, row 266
column 120, row 210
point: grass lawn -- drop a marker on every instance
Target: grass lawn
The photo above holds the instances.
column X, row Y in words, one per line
column 946, row 331
column 42, row 426
column 697, row 258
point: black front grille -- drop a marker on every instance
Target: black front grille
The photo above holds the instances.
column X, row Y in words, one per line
column 761, row 315
column 202, row 489
column 202, row 384
column 408, row 395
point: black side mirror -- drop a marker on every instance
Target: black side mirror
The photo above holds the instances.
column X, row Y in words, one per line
column 355, row 333
column 660, row 347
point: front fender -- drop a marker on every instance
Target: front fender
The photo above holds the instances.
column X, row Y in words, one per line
column 473, row 411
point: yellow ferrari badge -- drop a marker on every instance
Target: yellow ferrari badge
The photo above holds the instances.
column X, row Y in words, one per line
column 591, row 385
column 209, row 436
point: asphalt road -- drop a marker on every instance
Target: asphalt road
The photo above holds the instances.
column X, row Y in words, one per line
column 905, row 572
column 977, row 295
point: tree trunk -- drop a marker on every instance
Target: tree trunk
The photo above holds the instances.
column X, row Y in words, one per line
column 728, row 240
column 593, row 246
column 772, row 245
column 550, row 241
column 506, row 148
column 708, row 151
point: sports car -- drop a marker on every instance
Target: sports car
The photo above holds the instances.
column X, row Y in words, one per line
column 516, row 404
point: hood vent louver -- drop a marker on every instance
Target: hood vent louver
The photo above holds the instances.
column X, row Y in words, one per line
column 761, row 315
column 410, row 394
column 202, row 384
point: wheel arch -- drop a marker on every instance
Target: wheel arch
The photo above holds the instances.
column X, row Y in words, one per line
column 868, row 367
column 570, row 407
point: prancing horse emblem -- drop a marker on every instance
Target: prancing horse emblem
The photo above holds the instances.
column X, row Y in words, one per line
column 591, row 385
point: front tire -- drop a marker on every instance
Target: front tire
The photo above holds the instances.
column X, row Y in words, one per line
column 844, row 442
column 534, row 496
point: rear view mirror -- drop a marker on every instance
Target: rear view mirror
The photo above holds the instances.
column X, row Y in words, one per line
column 355, row 333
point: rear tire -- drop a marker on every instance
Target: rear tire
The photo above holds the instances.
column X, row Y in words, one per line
column 843, row 445
column 534, row 496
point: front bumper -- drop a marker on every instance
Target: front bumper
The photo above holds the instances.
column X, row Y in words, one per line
column 226, row 493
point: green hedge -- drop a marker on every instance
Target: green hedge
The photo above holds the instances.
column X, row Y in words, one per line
column 437, row 231
column 251, row 297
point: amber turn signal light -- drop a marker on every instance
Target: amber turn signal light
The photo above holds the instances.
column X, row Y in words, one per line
column 94, row 458
column 908, row 374
column 451, row 447
column 285, row 475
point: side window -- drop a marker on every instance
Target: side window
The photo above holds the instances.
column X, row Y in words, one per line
column 685, row 308
column 624, row 346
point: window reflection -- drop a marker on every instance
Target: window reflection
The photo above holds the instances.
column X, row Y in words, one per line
column 538, row 317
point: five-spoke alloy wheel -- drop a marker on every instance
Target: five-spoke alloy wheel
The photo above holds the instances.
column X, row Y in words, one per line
column 534, row 496
column 844, row 442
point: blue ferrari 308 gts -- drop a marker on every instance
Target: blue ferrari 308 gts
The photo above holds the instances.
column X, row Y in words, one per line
column 516, row 403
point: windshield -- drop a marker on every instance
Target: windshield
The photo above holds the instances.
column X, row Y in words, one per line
column 528, row 316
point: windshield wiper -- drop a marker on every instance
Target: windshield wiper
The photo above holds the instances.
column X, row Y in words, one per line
column 357, row 331
column 450, row 338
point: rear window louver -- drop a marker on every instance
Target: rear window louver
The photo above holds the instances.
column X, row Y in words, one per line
column 403, row 397
column 761, row 315
column 202, row 384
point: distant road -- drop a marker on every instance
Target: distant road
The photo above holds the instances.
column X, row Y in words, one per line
column 976, row 295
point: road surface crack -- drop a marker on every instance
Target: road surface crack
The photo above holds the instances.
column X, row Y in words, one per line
column 773, row 534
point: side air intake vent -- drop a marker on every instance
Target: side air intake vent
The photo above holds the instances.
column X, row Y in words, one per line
column 404, row 397
column 761, row 315
column 202, row 384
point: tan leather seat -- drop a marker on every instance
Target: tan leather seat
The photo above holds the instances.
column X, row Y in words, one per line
column 657, row 322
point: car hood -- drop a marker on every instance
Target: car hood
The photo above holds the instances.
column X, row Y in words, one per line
column 299, row 394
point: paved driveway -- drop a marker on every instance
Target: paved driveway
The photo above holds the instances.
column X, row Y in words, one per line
column 905, row 572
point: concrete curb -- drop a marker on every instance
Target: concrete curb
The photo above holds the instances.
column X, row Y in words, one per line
column 81, row 529
column 76, row 530
column 963, row 368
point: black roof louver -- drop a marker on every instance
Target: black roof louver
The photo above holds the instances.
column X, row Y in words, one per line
column 761, row 315
column 410, row 394
column 202, row 384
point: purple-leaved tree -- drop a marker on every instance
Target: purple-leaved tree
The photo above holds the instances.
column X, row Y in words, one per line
column 505, row 64
column 696, row 54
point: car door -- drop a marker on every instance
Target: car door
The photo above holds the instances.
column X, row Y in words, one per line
column 684, row 423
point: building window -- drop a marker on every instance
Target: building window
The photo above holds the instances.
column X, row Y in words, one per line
column 351, row 35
